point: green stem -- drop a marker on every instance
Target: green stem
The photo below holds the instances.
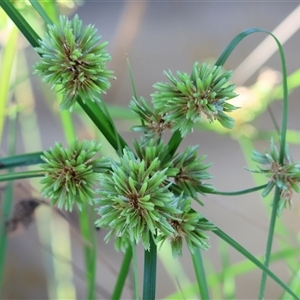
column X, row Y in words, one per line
column 6, row 211
column 150, row 261
column 173, row 145
column 21, row 175
column 220, row 62
column 122, row 275
column 269, row 242
column 253, row 259
column 103, row 124
column 237, row 193
column 200, row 274
column 41, row 11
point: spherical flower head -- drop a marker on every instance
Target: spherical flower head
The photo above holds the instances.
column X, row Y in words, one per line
column 72, row 58
column 189, row 226
column 184, row 100
column 285, row 176
column 71, row 173
column 134, row 201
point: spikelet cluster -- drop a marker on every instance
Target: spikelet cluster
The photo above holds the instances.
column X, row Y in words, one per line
column 70, row 173
column 73, row 60
column 138, row 200
column 183, row 101
column 285, row 176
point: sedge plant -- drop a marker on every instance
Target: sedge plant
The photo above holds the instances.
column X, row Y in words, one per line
column 148, row 195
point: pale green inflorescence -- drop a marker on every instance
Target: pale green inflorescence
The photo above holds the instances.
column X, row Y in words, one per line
column 71, row 173
column 285, row 176
column 183, row 101
column 134, row 202
column 137, row 199
column 72, row 59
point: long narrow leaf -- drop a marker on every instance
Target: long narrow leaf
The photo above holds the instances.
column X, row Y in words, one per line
column 21, row 160
column 122, row 275
column 253, row 259
column 41, row 11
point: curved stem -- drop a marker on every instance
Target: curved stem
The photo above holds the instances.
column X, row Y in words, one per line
column 220, row 62
column 237, row 193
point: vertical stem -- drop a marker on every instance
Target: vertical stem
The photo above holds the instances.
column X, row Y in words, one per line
column 269, row 243
column 122, row 275
column 200, row 274
column 150, row 261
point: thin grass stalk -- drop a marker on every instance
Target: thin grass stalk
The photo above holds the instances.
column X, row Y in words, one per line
column 220, row 62
column 41, row 11
column 6, row 212
column 253, row 259
column 241, row 192
column 200, row 274
column 269, row 242
column 122, row 275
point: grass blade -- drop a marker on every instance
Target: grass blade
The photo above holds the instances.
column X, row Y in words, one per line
column 254, row 260
column 41, row 11
column 122, row 275
column 21, row 160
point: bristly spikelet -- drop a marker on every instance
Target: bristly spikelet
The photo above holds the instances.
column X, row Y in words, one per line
column 71, row 173
column 285, row 176
column 134, row 201
column 72, row 59
column 184, row 100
